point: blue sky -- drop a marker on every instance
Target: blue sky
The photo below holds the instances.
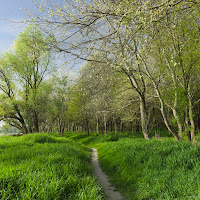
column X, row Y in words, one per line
column 13, row 10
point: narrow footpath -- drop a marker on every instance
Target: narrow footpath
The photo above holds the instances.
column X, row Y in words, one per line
column 110, row 191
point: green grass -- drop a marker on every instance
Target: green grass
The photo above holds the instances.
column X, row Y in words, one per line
column 150, row 169
column 46, row 167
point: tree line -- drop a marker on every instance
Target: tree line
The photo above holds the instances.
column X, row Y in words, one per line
column 141, row 68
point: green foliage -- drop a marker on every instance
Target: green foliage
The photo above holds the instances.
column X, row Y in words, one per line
column 43, row 166
column 8, row 129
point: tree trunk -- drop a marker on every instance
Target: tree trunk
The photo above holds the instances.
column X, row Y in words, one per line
column 121, row 127
column 180, row 130
column 97, row 124
column 161, row 102
column 105, row 124
column 36, row 125
column 115, row 123
column 143, row 113
column 191, row 115
column 198, row 119
column 176, row 136
column 87, row 127
column 187, row 126
column 72, row 127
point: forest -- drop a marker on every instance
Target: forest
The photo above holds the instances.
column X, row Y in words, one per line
column 139, row 71
column 132, row 94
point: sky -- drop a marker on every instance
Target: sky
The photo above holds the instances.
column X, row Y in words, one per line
column 12, row 10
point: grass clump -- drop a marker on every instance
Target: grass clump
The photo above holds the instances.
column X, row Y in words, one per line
column 42, row 166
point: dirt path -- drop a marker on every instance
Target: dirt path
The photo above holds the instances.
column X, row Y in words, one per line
column 109, row 190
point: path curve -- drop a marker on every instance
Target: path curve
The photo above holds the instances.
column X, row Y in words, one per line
column 110, row 191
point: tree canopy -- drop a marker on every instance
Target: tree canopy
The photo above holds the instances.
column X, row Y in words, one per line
column 141, row 68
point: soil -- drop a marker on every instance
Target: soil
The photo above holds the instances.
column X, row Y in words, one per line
column 110, row 191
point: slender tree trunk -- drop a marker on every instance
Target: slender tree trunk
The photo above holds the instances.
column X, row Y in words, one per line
column 180, row 129
column 191, row 115
column 175, row 134
column 115, row 123
column 198, row 119
column 50, row 129
column 121, row 127
column 166, row 121
column 188, row 135
column 143, row 113
column 97, row 124
column 36, row 125
column 87, row 127
column 174, row 110
column 161, row 102
column 132, row 127
column 105, row 124
column 111, row 125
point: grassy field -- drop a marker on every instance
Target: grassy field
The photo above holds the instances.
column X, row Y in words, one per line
column 46, row 167
column 149, row 169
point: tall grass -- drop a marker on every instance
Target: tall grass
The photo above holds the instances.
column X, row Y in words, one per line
column 42, row 166
column 152, row 169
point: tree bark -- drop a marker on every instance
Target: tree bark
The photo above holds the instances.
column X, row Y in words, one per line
column 105, row 124
column 115, row 123
column 191, row 115
column 174, row 110
column 87, row 127
column 97, row 124
column 36, row 125
column 188, row 135
column 180, row 130
column 161, row 101
column 143, row 113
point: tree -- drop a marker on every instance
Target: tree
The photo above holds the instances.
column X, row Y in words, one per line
column 131, row 30
column 23, row 69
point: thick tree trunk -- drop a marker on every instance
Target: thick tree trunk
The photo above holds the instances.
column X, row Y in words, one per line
column 143, row 113
column 72, row 127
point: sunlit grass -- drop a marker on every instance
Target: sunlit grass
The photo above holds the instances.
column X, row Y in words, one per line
column 42, row 166
column 152, row 169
